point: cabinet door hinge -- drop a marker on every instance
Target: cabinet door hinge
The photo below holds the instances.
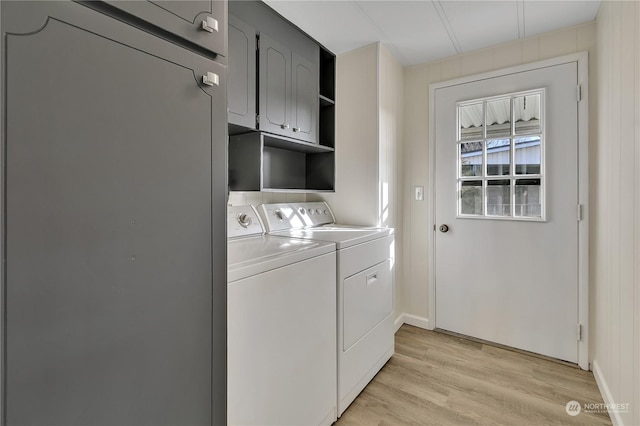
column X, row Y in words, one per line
column 579, row 332
column 579, row 212
column 579, row 92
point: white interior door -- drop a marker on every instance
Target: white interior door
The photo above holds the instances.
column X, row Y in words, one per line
column 506, row 186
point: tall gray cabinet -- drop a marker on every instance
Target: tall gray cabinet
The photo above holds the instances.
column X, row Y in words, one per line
column 113, row 208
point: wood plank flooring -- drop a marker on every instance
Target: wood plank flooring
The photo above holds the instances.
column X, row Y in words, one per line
column 439, row 379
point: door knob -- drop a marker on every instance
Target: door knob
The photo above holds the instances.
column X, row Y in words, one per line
column 444, row 228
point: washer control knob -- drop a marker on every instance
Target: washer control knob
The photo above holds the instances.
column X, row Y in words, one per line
column 302, row 211
column 244, row 220
column 279, row 215
column 325, row 211
column 318, row 211
column 311, row 211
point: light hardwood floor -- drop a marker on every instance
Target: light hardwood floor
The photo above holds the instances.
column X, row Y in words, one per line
column 439, row 379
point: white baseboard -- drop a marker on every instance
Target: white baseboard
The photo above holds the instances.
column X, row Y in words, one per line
column 398, row 323
column 414, row 320
column 606, row 393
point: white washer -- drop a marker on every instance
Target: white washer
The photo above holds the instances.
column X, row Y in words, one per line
column 281, row 326
column 364, row 284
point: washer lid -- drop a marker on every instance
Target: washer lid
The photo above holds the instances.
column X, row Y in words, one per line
column 343, row 236
column 254, row 255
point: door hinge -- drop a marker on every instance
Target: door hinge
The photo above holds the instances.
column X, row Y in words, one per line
column 434, row 227
column 579, row 212
column 579, row 92
column 579, row 331
column 257, row 42
column 257, row 120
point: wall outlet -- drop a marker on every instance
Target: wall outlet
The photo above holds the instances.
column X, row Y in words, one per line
column 419, row 193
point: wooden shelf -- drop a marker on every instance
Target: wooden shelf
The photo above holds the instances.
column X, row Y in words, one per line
column 300, row 191
column 260, row 161
column 283, row 142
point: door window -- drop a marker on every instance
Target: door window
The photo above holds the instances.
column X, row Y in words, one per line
column 501, row 157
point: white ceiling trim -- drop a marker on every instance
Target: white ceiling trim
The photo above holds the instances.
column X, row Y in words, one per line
column 447, row 25
column 521, row 28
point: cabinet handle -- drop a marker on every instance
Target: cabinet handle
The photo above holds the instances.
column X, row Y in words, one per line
column 210, row 24
column 284, row 126
column 211, row 79
column 372, row 278
column 296, row 129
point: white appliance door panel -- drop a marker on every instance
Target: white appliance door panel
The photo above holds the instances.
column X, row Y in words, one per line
column 368, row 298
column 354, row 259
column 282, row 345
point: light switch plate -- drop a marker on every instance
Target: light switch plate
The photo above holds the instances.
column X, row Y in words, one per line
column 419, row 193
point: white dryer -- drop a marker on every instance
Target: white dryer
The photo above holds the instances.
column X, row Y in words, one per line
column 281, row 326
column 364, row 283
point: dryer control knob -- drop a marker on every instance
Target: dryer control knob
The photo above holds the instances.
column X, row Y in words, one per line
column 278, row 215
column 244, row 220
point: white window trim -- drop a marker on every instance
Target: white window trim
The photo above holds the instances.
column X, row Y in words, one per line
column 512, row 177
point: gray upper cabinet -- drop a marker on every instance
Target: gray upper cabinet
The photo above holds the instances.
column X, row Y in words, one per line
column 275, row 86
column 304, row 98
column 242, row 75
column 114, row 193
column 288, row 92
column 201, row 22
column 293, row 148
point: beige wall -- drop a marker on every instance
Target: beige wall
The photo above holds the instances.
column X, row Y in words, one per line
column 355, row 199
column 369, row 105
column 416, row 138
column 391, row 113
column 615, row 236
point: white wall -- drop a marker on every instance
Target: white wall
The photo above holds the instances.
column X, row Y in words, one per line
column 369, row 103
column 391, row 112
column 416, row 137
column 255, row 198
column 615, row 236
column 355, row 200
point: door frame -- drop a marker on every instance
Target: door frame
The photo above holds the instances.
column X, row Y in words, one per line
column 582, row 60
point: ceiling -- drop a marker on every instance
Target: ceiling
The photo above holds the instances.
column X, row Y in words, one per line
column 420, row 31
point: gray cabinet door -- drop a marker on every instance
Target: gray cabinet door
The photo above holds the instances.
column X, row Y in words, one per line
column 242, row 74
column 275, row 87
column 184, row 18
column 114, row 287
column 304, row 97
